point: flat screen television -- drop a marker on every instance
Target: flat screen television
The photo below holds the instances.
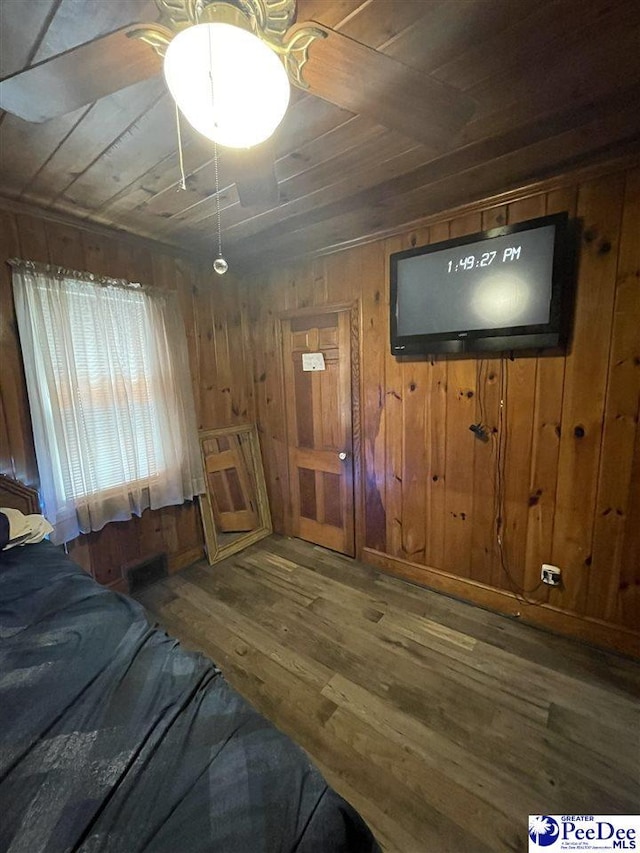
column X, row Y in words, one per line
column 500, row 290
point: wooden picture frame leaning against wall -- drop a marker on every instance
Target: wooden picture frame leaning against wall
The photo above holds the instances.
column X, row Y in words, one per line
column 235, row 508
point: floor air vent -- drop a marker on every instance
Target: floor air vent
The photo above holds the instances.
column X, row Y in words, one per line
column 143, row 573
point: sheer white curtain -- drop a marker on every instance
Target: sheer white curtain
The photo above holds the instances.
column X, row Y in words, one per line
column 110, row 395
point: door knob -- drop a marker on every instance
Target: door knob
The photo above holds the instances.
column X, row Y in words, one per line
column 342, row 456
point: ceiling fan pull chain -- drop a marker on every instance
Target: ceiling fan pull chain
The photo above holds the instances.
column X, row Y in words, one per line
column 183, row 180
column 219, row 265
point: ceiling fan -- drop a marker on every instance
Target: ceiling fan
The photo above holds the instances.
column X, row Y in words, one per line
column 318, row 59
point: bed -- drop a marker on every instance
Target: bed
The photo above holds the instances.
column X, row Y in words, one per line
column 114, row 738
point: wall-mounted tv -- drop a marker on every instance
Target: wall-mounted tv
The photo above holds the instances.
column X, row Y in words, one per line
column 500, row 290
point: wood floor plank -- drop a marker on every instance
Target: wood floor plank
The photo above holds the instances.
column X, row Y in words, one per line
column 444, row 724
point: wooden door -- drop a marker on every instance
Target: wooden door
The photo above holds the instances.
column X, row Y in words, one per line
column 319, row 429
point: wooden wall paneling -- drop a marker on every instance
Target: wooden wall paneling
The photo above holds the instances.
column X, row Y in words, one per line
column 357, row 394
column 118, row 543
column 416, row 376
column 32, row 238
column 519, row 378
column 216, row 359
column 190, row 535
column 374, row 343
column 287, row 288
column 248, row 357
column 136, row 264
column 241, row 399
column 265, row 300
column 628, row 599
column 17, row 451
column 187, row 278
column 97, row 249
column 436, row 442
column 542, row 410
column 169, row 521
column 621, row 411
column 600, row 207
column 484, row 556
column 219, row 351
column 461, row 409
column 228, row 348
column 547, row 419
column 204, row 304
column 65, row 245
column 393, row 428
column 543, row 474
column 519, row 399
column 300, row 294
column 320, row 281
column 459, row 466
column 342, row 272
column 436, row 439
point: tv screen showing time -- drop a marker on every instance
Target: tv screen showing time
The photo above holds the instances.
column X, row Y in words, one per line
column 501, row 289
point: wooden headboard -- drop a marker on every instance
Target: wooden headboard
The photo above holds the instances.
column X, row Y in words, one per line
column 18, row 496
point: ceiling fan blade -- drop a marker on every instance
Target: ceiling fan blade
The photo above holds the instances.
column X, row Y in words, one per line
column 365, row 81
column 78, row 77
column 254, row 172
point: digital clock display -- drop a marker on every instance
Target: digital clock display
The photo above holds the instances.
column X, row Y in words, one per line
column 470, row 262
column 504, row 281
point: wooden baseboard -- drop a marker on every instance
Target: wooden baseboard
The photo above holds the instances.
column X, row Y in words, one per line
column 572, row 625
column 185, row 558
column 119, row 585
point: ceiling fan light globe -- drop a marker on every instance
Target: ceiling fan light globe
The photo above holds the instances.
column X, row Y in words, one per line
column 229, row 85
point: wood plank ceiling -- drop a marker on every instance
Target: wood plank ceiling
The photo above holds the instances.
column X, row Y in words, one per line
column 556, row 84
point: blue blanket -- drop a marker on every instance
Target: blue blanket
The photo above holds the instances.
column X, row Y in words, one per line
column 113, row 738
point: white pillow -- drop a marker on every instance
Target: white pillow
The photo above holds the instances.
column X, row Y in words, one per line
column 25, row 529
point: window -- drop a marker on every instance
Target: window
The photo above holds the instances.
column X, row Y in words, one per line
column 110, row 397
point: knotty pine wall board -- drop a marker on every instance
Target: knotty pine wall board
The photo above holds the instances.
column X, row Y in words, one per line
column 571, row 443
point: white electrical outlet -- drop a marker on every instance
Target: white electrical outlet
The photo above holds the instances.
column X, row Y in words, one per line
column 551, row 575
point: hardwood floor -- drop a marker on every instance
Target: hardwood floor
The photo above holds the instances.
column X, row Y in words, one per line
column 443, row 724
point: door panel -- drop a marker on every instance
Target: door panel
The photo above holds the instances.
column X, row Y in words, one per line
column 229, row 484
column 319, row 428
